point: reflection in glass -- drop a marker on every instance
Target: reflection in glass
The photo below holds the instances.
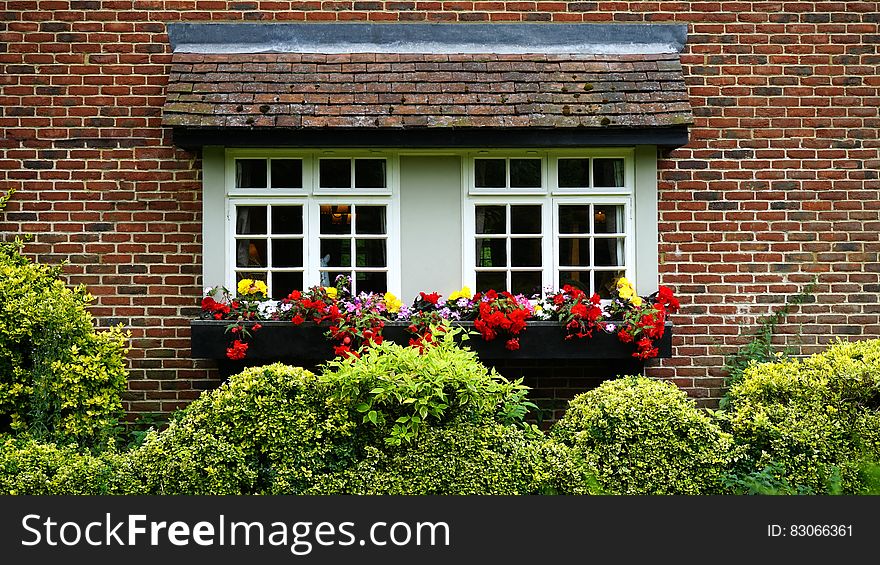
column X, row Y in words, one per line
column 606, row 282
column 369, row 173
column 525, row 252
column 284, row 283
column 335, row 173
column 574, row 252
column 574, row 218
column 525, row 219
column 287, row 219
column 328, row 278
column 491, row 281
column 525, row 173
column 490, row 173
column 491, row 252
column 250, row 253
column 577, row 279
column 573, row 173
column 490, row 219
column 336, row 253
column 287, row 253
column 608, row 252
column 608, row 172
column 287, row 173
column 250, row 173
column 370, row 253
column 607, row 219
column 250, row 220
column 239, row 275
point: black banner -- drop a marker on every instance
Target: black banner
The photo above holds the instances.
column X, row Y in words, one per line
column 169, row 530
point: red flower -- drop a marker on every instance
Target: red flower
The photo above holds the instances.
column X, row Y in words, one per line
column 432, row 298
column 256, row 327
column 295, row 295
column 237, row 351
column 208, row 304
column 512, row 344
column 297, row 320
column 624, row 336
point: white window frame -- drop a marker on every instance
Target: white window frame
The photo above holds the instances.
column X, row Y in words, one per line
column 550, row 197
column 311, row 197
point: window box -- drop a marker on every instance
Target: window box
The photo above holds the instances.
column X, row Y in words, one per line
column 306, row 343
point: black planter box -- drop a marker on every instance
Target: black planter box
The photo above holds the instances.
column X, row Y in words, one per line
column 306, row 343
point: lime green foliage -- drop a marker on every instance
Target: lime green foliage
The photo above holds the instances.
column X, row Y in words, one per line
column 645, row 437
column 236, row 438
column 464, row 458
column 399, row 391
column 60, row 380
column 816, row 418
column 31, row 468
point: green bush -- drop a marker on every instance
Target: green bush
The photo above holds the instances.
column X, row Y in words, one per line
column 815, row 421
column 60, row 380
column 463, row 459
column 31, row 468
column 645, row 437
column 400, row 391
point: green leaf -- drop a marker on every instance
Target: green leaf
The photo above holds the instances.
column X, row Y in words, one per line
column 362, row 407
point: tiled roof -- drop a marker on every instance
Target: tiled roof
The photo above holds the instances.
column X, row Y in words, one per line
column 379, row 90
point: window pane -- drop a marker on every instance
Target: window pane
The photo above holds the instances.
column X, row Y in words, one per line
column 574, row 252
column 608, row 219
column 250, row 173
column 250, row 220
column 608, row 252
column 370, row 253
column 573, row 173
column 490, row 173
column 246, row 275
column 287, row 253
column 606, row 282
column 491, row 281
column 577, row 279
column 525, row 219
column 250, row 253
column 335, row 219
column 525, row 252
column 574, row 219
column 336, row 253
column 491, row 252
column 491, row 219
column 527, row 283
column 335, row 173
column 287, row 173
column 284, row 283
column 370, row 219
column 608, row 172
column 372, row 282
column 369, row 173
column 287, row 219
column 525, row 173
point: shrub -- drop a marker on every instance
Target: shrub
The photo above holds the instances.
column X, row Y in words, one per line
column 645, row 437
column 60, row 380
column 400, row 391
column 31, row 468
column 814, row 420
column 463, row 459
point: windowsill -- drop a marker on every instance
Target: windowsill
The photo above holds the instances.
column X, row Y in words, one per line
column 306, row 343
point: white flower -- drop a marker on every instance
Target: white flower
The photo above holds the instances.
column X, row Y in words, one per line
column 267, row 308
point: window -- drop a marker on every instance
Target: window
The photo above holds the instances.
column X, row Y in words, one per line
column 288, row 223
column 570, row 226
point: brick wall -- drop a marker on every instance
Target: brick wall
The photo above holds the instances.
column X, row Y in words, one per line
column 778, row 185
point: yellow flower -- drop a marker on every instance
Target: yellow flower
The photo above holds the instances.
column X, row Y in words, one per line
column 261, row 287
column 636, row 301
column 244, row 286
column 331, row 291
column 465, row 292
column 392, row 303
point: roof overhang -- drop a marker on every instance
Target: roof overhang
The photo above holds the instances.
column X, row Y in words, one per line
column 427, row 85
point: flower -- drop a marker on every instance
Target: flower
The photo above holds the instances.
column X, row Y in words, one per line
column 332, row 292
column 432, row 297
column 392, row 303
column 636, row 300
column 465, row 292
column 247, row 287
column 237, row 351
